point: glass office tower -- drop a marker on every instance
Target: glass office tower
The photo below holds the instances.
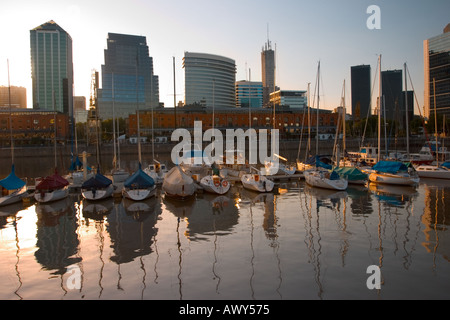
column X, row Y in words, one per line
column 51, row 68
column 128, row 82
column 361, row 94
column 209, row 80
column 437, row 67
column 249, row 94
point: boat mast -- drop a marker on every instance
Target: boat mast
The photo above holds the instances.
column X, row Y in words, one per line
column 435, row 122
column 344, row 147
column 10, row 118
column 308, row 149
column 318, row 105
column 174, row 95
column 379, row 109
column 137, row 111
column 114, row 125
column 407, row 113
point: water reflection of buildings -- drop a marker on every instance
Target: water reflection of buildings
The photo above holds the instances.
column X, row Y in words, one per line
column 436, row 220
column 57, row 238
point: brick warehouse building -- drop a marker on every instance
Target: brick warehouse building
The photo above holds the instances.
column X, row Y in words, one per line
column 288, row 121
column 33, row 126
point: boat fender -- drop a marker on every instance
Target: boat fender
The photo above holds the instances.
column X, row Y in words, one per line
column 217, row 183
column 224, row 183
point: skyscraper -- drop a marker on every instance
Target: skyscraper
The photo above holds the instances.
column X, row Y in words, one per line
column 128, row 82
column 51, row 68
column 268, row 71
column 209, row 80
column 392, row 93
column 360, row 76
column 437, row 67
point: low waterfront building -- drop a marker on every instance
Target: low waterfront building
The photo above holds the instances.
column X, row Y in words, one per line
column 31, row 126
column 288, row 120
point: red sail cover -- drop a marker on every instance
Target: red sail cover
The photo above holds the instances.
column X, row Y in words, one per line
column 52, row 182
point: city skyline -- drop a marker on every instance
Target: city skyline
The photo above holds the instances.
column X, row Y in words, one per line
column 303, row 33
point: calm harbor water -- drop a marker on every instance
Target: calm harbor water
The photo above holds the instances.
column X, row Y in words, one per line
column 296, row 243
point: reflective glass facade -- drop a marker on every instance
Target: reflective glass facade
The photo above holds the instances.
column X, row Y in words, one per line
column 437, row 67
column 51, row 68
column 249, row 93
column 209, row 80
column 360, row 91
column 128, row 82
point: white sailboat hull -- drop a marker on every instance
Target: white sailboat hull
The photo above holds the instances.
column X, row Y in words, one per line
column 318, row 178
column 50, row 196
column 394, row 179
column 433, row 172
column 178, row 185
column 14, row 197
column 99, row 194
column 257, row 183
column 139, row 194
column 214, row 184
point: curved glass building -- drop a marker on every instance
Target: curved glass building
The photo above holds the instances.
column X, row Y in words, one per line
column 209, row 80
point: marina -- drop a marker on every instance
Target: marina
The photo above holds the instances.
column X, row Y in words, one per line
column 296, row 242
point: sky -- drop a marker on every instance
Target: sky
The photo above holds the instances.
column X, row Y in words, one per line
column 333, row 32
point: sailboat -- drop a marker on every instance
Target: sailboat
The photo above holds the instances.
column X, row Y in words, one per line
column 51, row 188
column 215, row 184
column 139, row 186
column 119, row 175
column 12, row 189
column 345, row 168
column 322, row 175
column 54, row 187
column 177, row 184
column 257, row 182
column 97, row 188
column 393, row 172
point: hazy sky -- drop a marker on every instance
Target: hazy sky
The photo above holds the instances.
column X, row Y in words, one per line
column 304, row 32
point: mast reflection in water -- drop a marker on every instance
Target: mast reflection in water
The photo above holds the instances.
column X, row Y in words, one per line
column 298, row 242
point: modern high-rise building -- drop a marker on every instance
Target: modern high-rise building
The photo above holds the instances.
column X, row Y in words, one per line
column 392, row 93
column 249, row 94
column 52, row 68
column 128, row 82
column 209, row 80
column 437, row 68
column 361, row 92
column 268, row 71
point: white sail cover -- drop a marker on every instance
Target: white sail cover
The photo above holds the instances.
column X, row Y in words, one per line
column 177, row 183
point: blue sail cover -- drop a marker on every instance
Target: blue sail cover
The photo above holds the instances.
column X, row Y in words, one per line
column 390, row 166
column 98, row 181
column 12, row 182
column 446, row 165
column 320, row 163
column 139, row 180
